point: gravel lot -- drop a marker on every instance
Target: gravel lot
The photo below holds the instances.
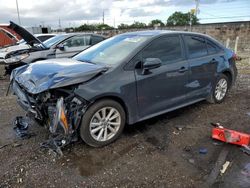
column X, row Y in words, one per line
column 153, row 153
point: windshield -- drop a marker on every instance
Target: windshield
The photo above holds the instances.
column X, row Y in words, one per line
column 50, row 42
column 112, row 51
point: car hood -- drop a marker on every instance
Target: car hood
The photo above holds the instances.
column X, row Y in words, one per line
column 26, row 35
column 54, row 73
column 5, row 51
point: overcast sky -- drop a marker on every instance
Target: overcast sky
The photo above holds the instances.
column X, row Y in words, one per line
column 76, row 12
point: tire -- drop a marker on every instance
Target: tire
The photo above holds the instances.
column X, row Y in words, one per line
column 107, row 130
column 221, row 86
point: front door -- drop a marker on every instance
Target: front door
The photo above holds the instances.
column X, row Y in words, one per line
column 162, row 88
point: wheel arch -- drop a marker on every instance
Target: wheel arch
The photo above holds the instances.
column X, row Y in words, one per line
column 229, row 76
column 117, row 99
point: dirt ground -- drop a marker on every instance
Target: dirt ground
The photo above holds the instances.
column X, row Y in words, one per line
column 160, row 152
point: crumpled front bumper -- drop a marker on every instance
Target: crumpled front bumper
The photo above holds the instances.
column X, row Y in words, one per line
column 23, row 99
column 2, row 61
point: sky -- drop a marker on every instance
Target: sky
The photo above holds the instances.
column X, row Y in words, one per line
column 72, row 13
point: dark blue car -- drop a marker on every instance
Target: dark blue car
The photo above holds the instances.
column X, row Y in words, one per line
column 122, row 80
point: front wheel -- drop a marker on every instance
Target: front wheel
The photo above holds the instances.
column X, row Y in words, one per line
column 220, row 90
column 102, row 123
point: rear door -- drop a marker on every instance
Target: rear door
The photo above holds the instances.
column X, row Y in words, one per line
column 73, row 46
column 164, row 87
column 203, row 60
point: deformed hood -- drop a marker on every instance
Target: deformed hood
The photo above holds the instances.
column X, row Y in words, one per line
column 54, row 73
column 26, row 35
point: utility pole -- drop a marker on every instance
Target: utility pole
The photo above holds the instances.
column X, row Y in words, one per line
column 194, row 12
column 197, row 2
column 59, row 24
column 17, row 8
column 103, row 17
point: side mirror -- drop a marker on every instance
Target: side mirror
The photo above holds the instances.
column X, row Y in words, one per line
column 151, row 63
column 61, row 47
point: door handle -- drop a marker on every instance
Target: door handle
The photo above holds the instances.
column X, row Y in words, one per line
column 182, row 69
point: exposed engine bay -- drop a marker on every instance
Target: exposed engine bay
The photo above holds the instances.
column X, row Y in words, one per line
column 59, row 110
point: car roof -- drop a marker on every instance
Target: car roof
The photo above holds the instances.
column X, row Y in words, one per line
column 76, row 34
column 160, row 32
column 45, row 34
column 157, row 33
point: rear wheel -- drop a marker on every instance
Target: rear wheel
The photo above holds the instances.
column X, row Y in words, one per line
column 220, row 90
column 102, row 123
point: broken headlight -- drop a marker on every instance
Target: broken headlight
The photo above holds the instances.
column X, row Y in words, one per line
column 17, row 58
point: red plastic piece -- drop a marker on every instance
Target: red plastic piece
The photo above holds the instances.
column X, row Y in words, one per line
column 230, row 136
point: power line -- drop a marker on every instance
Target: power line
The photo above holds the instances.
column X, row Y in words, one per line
column 225, row 17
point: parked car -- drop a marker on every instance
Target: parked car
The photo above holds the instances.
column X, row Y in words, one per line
column 64, row 45
column 20, row 46
column 123, row 80
column 42, row 37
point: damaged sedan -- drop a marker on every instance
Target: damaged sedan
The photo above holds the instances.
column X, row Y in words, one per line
column 123, row 80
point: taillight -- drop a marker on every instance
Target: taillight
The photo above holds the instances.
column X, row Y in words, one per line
column 234, row 57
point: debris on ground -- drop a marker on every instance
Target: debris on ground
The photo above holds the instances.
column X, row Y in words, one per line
column 246, row 170
column 179, row 127
column 21, row 125
column 246, row 149
column 230, row 136
column 191, row 161
column 3, row 146
column 57, row 142
column 217, row 143
column 176, row 133
column 187, row 148
column 224, row 167
column 203, row 150
column 15, row 145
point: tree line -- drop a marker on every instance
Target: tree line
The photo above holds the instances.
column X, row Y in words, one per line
column 176, row 19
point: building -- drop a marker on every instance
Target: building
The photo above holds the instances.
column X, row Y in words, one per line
column 7, row 36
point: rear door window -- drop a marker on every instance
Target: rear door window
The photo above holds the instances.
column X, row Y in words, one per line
column 96, row 39
column 211, row 47
column 167, row 49
column 196, row 46
column 77, row 41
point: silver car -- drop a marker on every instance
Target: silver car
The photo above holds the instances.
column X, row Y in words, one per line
column 60, row 46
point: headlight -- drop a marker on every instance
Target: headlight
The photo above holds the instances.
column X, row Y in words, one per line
column 17, row 58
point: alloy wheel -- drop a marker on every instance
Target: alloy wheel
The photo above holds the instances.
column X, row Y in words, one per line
column 105, row 124
column 221, row 89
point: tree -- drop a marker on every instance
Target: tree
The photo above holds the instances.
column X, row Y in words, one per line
column 156, row 23
column 138, row 25
column 93, row 27
column 103, row 27
column 179, row 18
column 135, row 25
column 123, row 26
